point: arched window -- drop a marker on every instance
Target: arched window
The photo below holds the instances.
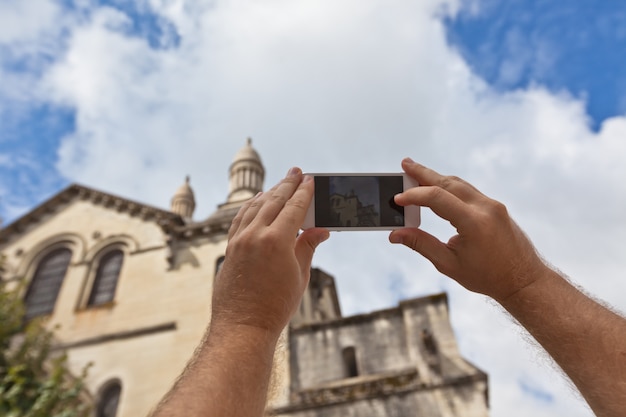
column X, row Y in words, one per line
column 109, row 400
column 105, row 281
column 44, row 287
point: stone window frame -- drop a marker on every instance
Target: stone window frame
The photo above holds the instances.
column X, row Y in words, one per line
column 35, row 268
column 111, row 257
column 94, row 263
column 27, row 266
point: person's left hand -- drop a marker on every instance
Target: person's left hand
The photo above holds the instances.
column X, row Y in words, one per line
column 267, row 265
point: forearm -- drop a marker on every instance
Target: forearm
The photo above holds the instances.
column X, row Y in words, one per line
column 491, row 255
column 258, row 289
column 228, row 376
column 587, row 340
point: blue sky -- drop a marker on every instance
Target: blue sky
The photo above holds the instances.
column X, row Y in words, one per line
column 575, row 46
column 525, row 99
column 31, row 131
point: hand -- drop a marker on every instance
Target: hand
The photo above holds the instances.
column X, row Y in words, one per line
column 267, row 265
column 489, row 255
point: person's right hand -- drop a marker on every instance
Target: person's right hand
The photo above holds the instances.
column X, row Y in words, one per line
column 489, row 255
column 267, row 265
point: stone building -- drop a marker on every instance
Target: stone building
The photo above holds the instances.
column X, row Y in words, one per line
column 128, row 287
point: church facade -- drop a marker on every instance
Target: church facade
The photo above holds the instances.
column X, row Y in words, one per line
column 127, row 287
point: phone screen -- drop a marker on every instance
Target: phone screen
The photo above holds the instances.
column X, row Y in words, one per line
column 358, row 201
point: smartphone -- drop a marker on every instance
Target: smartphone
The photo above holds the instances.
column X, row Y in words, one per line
column 360, row 202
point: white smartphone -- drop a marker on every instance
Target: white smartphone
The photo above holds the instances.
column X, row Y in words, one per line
column 360, row 202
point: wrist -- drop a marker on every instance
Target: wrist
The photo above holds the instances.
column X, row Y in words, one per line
column 530, row 287
column 238, row 335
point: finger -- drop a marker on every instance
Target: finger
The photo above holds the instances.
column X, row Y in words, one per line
column 443, row 203
column 238, row 222
column 274, row 201
column 255, row 205
column 294, row 210
column 428, row 246
column 423, row 175
column 455, row 185
column 305, row 247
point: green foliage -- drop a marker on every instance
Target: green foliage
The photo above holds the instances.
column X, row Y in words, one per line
column 34, row 380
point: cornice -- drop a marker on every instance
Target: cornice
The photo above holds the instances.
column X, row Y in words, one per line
column 117, row 336
column 165, row 219
column 369, row 387
column 218, row 223
column 374, row 315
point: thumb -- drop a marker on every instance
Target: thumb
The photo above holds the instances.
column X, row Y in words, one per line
column 425, row 244
column 306, row 244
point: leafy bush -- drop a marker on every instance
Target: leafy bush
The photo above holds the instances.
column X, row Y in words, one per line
column 34, row 378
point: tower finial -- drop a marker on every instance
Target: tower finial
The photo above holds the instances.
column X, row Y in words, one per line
column 246, row 174
column 184, row 202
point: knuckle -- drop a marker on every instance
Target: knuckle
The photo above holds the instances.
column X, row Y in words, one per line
column 255, row 204
column 236, row 221
column 490, row 216
column 277, row 198
column 449, row 181
column 297, row 202
column 239, row 244
column 497, row 209
column 436, row 193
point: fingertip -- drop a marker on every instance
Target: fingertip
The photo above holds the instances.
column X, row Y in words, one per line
column 324, row 235
column 294, row 172
column 395, row 237
column 307, row 243
column 318, row 235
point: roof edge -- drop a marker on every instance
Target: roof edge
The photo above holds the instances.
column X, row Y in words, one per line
column 165, row 219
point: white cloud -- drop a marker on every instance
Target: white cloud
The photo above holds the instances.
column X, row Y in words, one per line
column 26, row 19
column 351, row 86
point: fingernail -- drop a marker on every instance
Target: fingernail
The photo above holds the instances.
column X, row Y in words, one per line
column 408, row 160
column 307, row 178
column 293, row 171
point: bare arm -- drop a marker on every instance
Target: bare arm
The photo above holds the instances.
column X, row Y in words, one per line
column 491, row 255
column 586, row 339
column 264, row 275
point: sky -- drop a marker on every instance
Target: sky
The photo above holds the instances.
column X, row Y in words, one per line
column 525, row 99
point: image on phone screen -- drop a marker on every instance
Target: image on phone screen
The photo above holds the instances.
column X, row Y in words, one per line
column 358, row 201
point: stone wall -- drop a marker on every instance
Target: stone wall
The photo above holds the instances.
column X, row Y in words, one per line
column 405, row 361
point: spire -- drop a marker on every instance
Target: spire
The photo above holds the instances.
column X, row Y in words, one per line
column 184, row 202
column 246, row 174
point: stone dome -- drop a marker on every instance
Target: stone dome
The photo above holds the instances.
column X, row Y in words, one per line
column 246, row 174
column 184, row 202
column 247, row 153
